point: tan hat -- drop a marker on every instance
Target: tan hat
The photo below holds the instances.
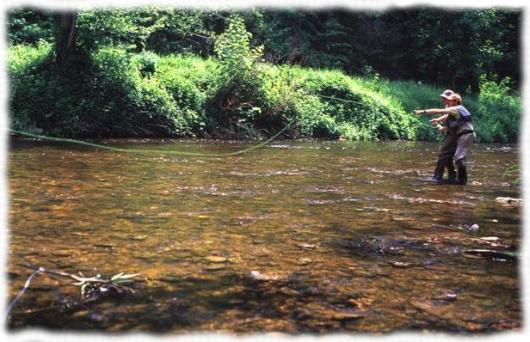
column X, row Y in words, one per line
column 447, row 94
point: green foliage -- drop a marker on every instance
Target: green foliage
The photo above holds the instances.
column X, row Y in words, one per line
column 111, row 99
column 358, row 112
column 25, row 59
column 125, row 102
column 499, row 111
column 407, row 96
column 190, row 81
column 24, row 63
column 438, row 46
column 129, row 28
column 124, row 94
column 238, row 99
column 28, row 26
column 513, row 174
column 233, row 50
column 146, row 63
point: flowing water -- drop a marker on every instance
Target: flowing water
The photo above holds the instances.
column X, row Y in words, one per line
column 297, row 237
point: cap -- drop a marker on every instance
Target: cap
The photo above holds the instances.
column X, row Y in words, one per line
column 447, row 94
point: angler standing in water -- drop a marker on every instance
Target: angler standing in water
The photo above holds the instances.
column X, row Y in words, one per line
column 460, row 136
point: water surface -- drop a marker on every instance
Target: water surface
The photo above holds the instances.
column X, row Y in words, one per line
column 297, row 237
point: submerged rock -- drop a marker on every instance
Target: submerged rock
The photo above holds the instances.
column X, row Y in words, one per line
column 64, row 253
column 432, row 309
column 447, row 296
column 215, row 267
column 304, row 261
column 216, row 259
column 263, row 276
column 473, row 228
column 305, row 245
column 490, row 254
column 343, row 316
column 489, row 238
column 400, row 264
column 170, row 279
column 289, row 292
column 373, row 245
column 509, row 200
column 258, row 276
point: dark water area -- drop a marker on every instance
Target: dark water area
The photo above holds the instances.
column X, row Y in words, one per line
column 297, row 237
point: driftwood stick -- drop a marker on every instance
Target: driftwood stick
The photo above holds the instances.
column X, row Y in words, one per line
column 21, row 293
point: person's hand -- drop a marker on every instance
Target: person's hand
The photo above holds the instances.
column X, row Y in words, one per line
column 442, row 129
column 435, row 121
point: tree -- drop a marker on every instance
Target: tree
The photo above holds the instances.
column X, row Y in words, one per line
column 66, row 52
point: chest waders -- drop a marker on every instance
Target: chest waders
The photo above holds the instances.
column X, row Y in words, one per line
column 463, row 131
column 445, row 160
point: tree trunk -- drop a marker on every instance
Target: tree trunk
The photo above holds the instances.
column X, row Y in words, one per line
column 65, row 49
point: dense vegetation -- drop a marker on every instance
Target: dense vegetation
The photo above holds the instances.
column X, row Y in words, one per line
column 165, row 72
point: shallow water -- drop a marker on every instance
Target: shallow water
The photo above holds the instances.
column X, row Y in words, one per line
column 301, row 236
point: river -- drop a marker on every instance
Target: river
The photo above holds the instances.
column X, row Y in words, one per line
column 297, row 237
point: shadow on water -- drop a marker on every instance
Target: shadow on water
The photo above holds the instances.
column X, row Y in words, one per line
column 241, row 304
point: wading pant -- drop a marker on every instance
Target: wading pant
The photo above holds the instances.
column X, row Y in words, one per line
column 445, row 158
column 463, row 145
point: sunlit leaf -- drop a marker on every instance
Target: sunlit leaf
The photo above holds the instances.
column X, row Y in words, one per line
column 116, row 276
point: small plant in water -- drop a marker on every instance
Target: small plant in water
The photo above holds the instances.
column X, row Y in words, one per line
column 96, row 288
column 92, row 288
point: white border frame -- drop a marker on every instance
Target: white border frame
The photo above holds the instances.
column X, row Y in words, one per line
column 44, row 335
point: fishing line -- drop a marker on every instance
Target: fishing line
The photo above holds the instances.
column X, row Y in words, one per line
column 159, row 151
column 336, row 98
column 152, row 151
column 171, row 152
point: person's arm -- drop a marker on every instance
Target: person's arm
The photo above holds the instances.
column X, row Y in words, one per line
column 440, row 119
column 436, row 111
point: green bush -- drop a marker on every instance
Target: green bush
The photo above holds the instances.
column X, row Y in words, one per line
column 122, row 94
column 125, row 102
column 313, row 120
column 25, row 62
column 358, row 112
column 146, row 62
column 110, row 99
column 239, row 100
column 29, row 26
column 499, row 112
column 411, row 95
column 191, row 82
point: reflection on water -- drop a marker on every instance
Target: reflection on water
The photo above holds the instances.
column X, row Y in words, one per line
column 296, row 237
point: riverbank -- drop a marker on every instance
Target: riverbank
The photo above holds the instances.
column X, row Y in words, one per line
column 123, row 94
